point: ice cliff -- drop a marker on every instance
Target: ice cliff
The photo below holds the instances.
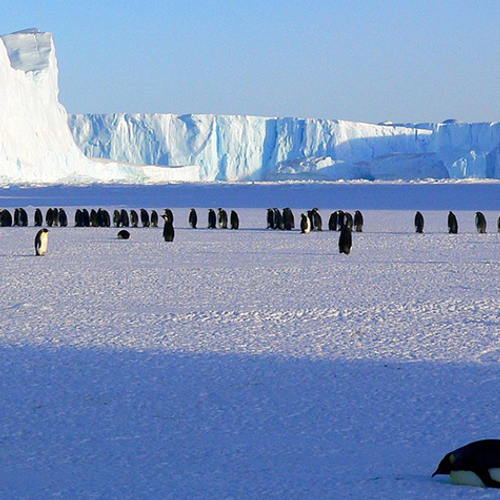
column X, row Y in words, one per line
column 40, row 143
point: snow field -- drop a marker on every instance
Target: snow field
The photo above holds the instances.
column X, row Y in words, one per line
column 247, row 364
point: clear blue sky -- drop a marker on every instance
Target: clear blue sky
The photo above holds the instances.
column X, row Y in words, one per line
column 362, row 60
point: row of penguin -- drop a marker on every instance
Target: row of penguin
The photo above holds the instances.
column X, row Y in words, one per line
column 284, row 220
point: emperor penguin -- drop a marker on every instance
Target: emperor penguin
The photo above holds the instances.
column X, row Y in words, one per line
column 63, row 218
column 211, row 218
column 123, row 235
column 476, row 464
column 38, row 218
column 332, row 222
column 270, row 218
column 316, row 219
column 169, row 214
column 345, row 240
column 117, row 220
column 278, row 219
column 193, row 218
column 358, row 221
column 41, row 241
column 452, row 223
column 480, row 222
column 222, row 216
column 419, row 223
column 340, row 220
column 124, row 218
column 234, row 220
column 134, row 218
column 288, row 220
column 348, row 220
column 145, row 218
column 305, row 224
column 154, row 218
column 168, row 229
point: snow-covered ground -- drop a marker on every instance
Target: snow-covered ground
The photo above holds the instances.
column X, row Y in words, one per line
column 248, row 364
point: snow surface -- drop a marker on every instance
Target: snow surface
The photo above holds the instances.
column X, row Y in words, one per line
column 248, row 364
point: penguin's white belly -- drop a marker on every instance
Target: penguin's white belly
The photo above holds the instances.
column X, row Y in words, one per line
column 469, row 478
column 44, row 243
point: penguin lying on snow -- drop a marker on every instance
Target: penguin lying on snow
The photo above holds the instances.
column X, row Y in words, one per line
column 476, row 464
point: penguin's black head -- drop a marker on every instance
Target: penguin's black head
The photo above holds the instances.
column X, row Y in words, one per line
column 446, row 465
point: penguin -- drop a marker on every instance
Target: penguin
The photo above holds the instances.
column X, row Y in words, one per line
column 49, row 218
column 222, row 216
column 125, row 221
column 234, row 219
column 63, row 218
column 340, row 220
column 85, row 218
column 480, row 222
column 78, row 218
column 154, row 218
column 17, row 217
column 452, row 223
column 103, row 218
column 348, row 221
column 134, row 218
column 168, row 229
column 476, row 464
column 278, row 219
column 345, row 240
column 270, row 218
column 38, row 217
column 211, row 219
column 41, row 241
column 358, row 221
column 193, row 218
column 93, row 218
column 419, row 223
column 55, row 217
column 305, row 224
column 117, row 220
column 123, row 234
column 498, row 224
column 332, row 222
column 288, row 219
column 169, row 214
column 24, row 217
column 144, row 218
column 5, row 218
column 316, row 219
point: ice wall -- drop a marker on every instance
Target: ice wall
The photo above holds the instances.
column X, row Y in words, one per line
column 36, row 144
column 227, row 147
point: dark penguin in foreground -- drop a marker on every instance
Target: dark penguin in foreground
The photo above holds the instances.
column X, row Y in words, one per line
column 480, row 222
column 211, row 219
column 41, row 241
column 345, row 240
column 476, row 464
column 452, row 223
column 168, row 229
column 193, row 218
column 123, row 234
column 419, row 223
column 234, row 220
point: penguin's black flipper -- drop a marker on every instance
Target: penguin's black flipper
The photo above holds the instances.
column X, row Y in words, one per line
column 485, row 477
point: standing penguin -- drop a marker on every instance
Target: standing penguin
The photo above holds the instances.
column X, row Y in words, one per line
column 63, row 218
column 193, row 218
column 168, row 229
column 234, row 219
column 41, row 241
column 452, row 223
column 154, row 218
column 476, row 464
column 117, row 218
column 332, row 222
column 419, row 223
column 222, row 215
column 358, row 221
column 288, row 220
column 124, row 218
column 316, row 220
column 498, row 224
column 270, row 218
column 345, row 240
column 305, row 224
column 38, row 218
column 212, row 221
column 134, row 218
column 145, row 218
column 278, row 219
column 480, row 222
column 340, row 220
column 348, row 220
